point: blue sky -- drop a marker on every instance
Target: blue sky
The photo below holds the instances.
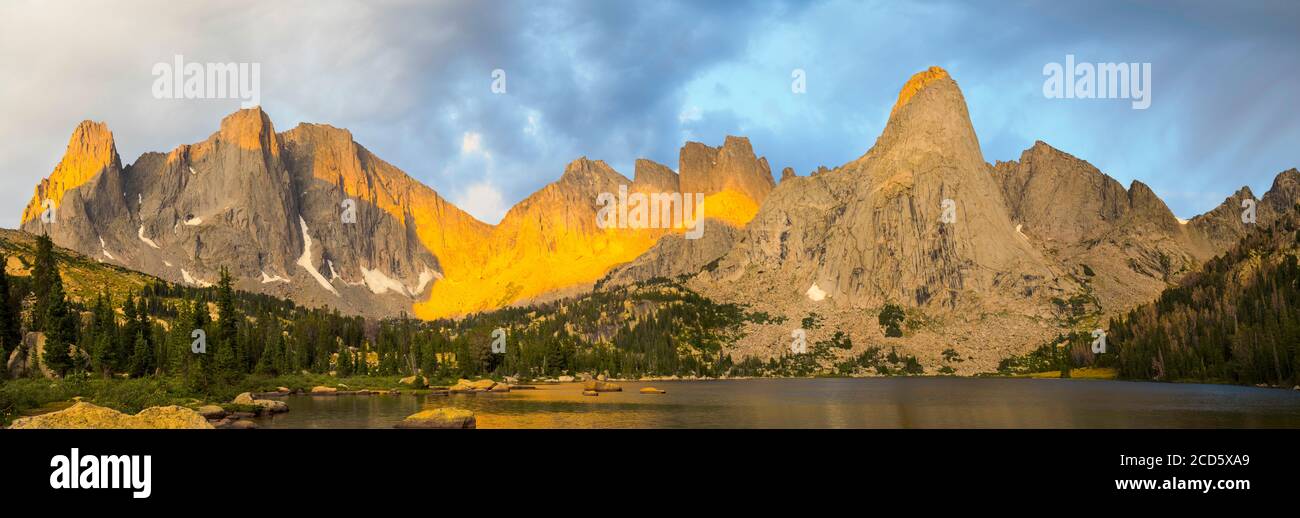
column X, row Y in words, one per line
column 621, row 80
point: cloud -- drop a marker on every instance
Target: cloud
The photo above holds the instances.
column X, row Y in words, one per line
column 622, row 80
column 472, row 143
column 483, row 201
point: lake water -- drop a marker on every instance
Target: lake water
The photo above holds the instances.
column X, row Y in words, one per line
column 920, row 402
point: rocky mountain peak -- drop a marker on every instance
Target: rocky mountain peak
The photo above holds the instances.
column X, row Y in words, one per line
column 90, row 150
column 929, row 123
column 916, row 83
column 1057, row 197
column 249, row 128
column 1285, row 191
column 651, row 176
column 1146, row 206
column 732, row 167
column 588, row 173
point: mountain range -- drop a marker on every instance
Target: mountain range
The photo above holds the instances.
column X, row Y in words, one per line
column 997, row 254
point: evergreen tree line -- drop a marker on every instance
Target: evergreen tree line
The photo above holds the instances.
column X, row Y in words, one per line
column 654, row 328
column 1236, row 320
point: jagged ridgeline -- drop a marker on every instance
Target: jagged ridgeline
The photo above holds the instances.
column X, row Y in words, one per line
column 1236, row 320
column 979, row 259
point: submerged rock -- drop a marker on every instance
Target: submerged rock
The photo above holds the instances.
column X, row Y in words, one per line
column 652, row 390
column 446, row 417
column 84, row 415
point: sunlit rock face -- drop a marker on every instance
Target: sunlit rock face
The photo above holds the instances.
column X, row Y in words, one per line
column 874, row 230
column 311, row 215
column 268, row 206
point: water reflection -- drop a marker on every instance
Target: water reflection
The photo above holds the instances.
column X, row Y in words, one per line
column 831, row 403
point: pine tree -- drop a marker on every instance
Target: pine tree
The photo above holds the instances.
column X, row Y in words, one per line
column 9, row 331
column 60, row 328
column 199, row 372
column 890, row 317
column 343, row 362
column 142, row 359
column 227, row 353
column 45, row 272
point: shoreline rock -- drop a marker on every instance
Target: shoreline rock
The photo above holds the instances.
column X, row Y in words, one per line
column 83, row 415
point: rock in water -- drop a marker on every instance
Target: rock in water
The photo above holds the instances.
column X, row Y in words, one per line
column 601, row 386
column 85, row 415
column 446, row 417
column 245, row 398
column 652, row 390
column 271, row 406
column 212, row 412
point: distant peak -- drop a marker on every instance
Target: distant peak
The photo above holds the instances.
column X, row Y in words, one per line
column 585, row 169
column 918, row 82
column 91, row 131
column 249, row 128
column 91, row 150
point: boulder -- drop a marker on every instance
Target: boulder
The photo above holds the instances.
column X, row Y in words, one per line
column 652, row 390
column 566, row 379
column 590, row 393
column 25, row 360
column 446, row 417
column 244, row 399
column 414, row 381
column 323, row 390
column 500, row 387
column 601, row 386
column 86, row 415
column 271, row 406
column 212, row 412
column 462, row 386
column 283, row 389
column 465, row 385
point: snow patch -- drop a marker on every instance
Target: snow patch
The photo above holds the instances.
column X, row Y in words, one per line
column 192, row 170
column 1022, row 234
column 305, row 260
column 194, row 221
column 168, row 263
column 380, row 283
column 104, row 248
column 146, row 240
column 426, row 276
column 815, row 293
column 197, row 282
column 267, row 279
